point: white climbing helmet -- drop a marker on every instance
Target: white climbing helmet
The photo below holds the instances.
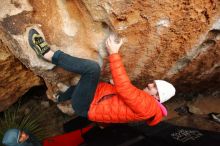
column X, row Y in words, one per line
column 165, row 90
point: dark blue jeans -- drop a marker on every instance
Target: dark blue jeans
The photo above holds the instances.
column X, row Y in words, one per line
column 82, row 94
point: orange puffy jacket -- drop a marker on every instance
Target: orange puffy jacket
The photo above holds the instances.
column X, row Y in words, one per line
column 123, row 102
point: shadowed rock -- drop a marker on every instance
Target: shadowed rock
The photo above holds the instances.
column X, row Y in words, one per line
column 173, row 40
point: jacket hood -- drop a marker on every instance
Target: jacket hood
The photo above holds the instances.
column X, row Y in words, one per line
column 11, row 137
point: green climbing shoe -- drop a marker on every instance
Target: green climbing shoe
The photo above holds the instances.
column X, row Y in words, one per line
column 37, row 43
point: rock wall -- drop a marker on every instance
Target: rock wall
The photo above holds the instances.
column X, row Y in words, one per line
column 176, row 40
column 15, row 78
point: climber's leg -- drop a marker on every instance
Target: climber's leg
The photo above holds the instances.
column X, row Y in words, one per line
column 89, row 70
column 85, row 89
column 64, row 96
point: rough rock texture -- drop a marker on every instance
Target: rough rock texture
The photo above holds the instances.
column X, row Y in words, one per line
column 196, row 121
column 202, row 104
column 176, row 40
column 15, row 78
column 197, row 113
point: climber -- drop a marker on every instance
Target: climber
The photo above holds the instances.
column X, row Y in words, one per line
column 16, row 137
column 104, row 102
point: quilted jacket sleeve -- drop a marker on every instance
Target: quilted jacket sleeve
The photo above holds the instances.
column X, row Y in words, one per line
column 142, row 104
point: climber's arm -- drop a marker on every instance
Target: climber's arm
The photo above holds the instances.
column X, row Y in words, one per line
column 137, row 100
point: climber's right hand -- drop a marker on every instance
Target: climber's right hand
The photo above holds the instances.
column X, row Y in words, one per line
column 113, row 44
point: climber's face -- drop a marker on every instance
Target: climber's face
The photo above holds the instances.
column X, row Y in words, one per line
column 152, row 90
column 23, row 137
